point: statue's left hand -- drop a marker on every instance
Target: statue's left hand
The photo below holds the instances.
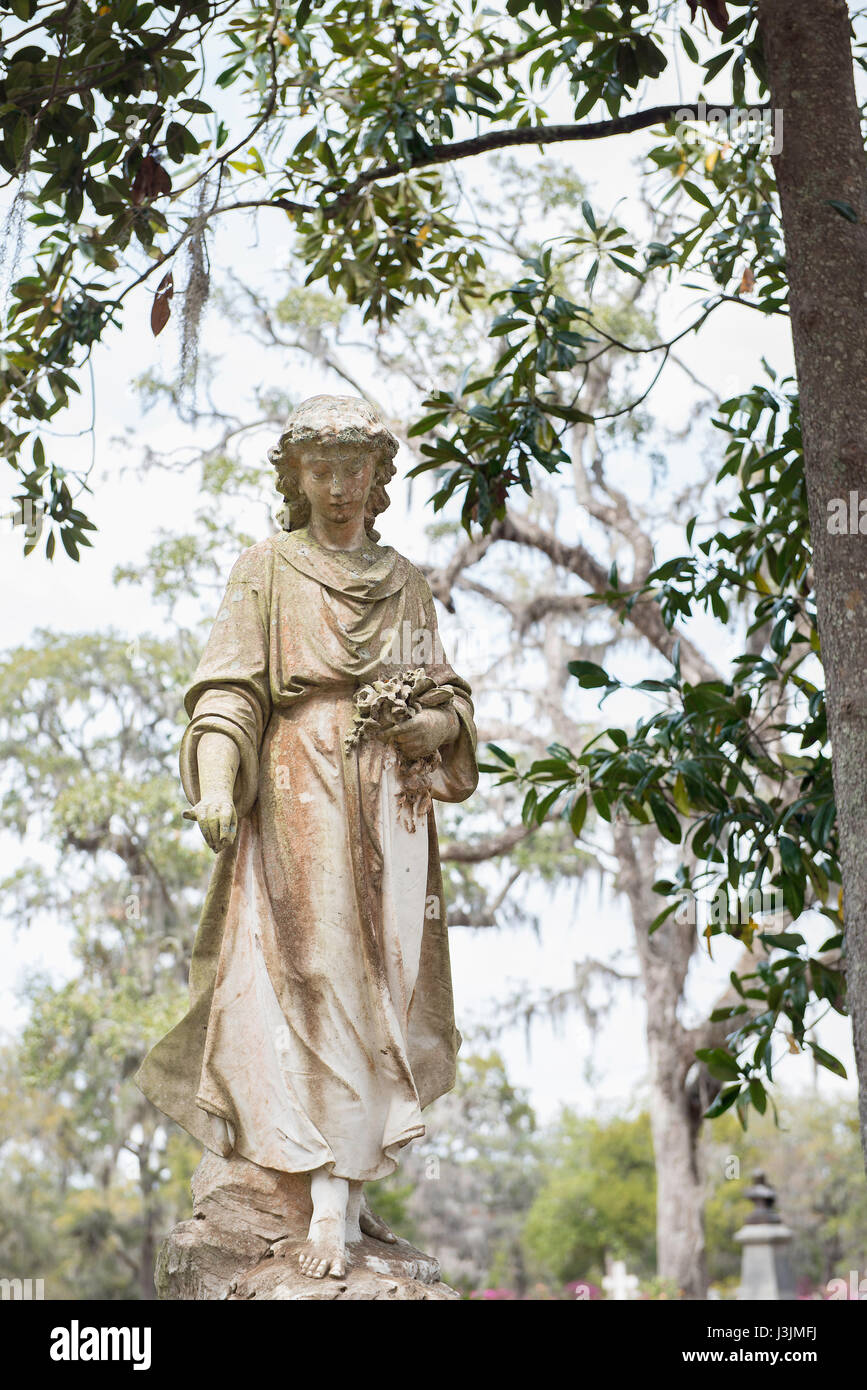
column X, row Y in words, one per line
column 424, row 733
column 217, row 820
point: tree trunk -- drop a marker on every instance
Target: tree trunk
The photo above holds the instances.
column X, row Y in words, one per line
column 680, row 1190
column 675, row 1120
column 809, row 60
column 147, row 1245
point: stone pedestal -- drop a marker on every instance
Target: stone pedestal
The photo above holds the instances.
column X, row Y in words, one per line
column 765, row 1240
column 243, row 1240
column 765, row 1271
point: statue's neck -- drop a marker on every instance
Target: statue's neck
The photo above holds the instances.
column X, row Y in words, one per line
column 333, row 535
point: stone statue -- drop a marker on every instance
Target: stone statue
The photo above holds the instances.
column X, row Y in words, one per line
column 323, row 720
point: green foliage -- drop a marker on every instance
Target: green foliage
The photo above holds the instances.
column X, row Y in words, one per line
column 597, row 1199
column 119, row 115
column 481, row 437
column 737, row 772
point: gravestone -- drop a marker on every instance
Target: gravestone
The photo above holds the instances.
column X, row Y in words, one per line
column 765, row 1240
column 618, row 1284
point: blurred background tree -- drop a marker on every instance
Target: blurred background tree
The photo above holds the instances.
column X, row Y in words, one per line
column 597, row 1200
column 88, row 734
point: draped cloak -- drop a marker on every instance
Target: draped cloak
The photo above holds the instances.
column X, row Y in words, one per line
column 321, row 1018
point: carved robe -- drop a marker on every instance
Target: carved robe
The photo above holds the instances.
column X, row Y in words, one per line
column 321, row 1019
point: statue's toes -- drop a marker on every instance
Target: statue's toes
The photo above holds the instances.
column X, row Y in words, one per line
column 312, row 1267
column 371, row 1225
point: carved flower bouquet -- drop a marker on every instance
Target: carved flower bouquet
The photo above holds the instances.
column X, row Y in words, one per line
column 384, row 704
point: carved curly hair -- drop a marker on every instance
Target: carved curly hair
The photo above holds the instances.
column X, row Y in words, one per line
column 340, row 422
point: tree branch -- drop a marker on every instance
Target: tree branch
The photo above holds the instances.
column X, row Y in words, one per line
column 644, row 615
column 482, row 144
column 479, row 850
column 526, row 135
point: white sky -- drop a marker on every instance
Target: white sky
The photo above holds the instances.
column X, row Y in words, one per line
column 561, row 1065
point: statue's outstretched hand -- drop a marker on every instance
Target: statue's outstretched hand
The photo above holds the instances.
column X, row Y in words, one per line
column 424, row 733
column 217, row 819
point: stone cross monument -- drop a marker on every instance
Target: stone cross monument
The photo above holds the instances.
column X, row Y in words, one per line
column 618, row 1284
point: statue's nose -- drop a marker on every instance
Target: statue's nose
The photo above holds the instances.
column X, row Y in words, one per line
column 336, row 486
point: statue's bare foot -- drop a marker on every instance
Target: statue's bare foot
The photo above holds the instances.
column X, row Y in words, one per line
column 373, row 1225
column 324, row 1251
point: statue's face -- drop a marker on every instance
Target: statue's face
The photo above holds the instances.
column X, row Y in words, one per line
column 336, row 482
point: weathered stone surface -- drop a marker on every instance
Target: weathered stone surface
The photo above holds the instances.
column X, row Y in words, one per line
column 239, row 1210
column 324, row 722
column 243, row 1241
column 374, row 1271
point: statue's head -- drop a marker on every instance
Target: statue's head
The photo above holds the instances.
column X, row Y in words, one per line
column 339, row 427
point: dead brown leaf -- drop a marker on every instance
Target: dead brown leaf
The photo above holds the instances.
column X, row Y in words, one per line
column 714, row 9
column 161, row 310
column 151, row 181
column 748, row 282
